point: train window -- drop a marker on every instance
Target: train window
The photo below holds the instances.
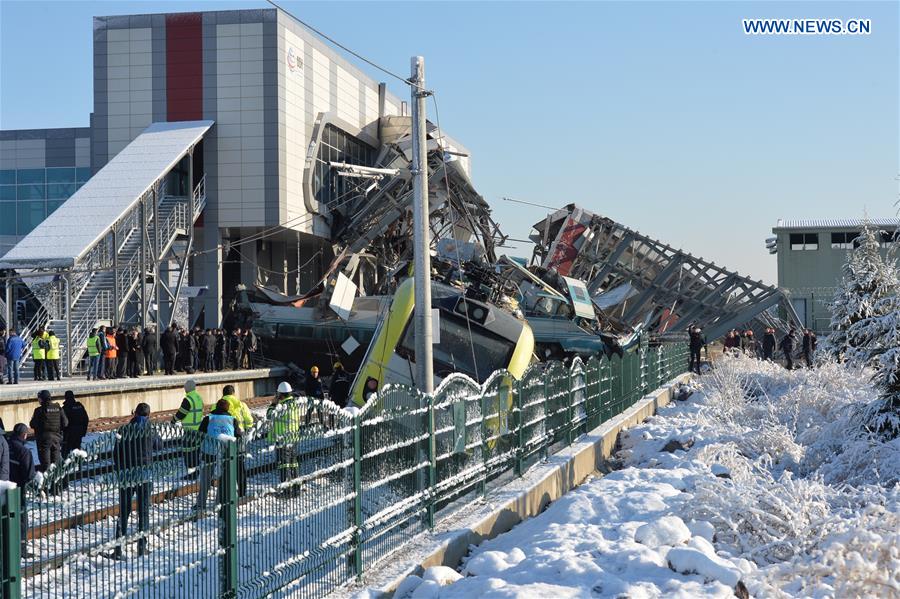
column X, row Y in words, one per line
column 455, row 352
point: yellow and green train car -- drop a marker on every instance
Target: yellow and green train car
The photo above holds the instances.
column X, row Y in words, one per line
column 476, row 339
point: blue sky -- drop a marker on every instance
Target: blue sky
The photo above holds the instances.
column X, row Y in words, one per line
column 662, row 115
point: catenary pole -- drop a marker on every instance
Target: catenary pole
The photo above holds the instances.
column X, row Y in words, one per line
column 424, row 366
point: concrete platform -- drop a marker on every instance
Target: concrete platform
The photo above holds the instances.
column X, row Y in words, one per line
column 117, row 397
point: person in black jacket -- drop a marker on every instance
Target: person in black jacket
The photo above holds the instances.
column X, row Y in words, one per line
column 235, row 348
column 809, row 347
column 787, row 346
column 4, row 458
column 133, row 458
column 695, row 344
column 21, row 472
column 78, row 424
column 768, row 344
column 169, row 343
column 124, row 353
column 220, row 349
column 135, row 354
column 48, row 421
column 148, row 350
column 209, row 351
column 339, row 389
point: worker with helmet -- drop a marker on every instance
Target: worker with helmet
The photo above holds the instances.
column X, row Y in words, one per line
column 284, row 414
column 241, row 412
column 190, row 415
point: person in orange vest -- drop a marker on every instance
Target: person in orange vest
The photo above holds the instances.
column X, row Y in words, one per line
column 112, row 353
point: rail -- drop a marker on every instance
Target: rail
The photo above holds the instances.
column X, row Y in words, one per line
column 310, row 496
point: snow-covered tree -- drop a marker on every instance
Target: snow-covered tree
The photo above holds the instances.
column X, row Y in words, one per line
column 869, row 280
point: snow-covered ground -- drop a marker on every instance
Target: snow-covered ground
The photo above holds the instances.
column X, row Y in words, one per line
column 764, row 481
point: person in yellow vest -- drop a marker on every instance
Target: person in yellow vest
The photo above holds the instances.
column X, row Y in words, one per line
column 284, row 414
column 52, row 363
column 190, row 415
column 241, row 413
column 38, row 354
column 95, row 361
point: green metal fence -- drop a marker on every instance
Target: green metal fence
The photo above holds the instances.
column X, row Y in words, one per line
column 310, row 496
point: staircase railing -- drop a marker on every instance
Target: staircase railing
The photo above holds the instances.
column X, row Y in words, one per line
column 99, row 309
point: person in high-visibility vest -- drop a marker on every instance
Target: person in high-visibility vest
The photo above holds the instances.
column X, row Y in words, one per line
column 52, row 363
column 241, row 413
column 111, row 354
column 217, row 427
column 38, row 354
column 190, row 415
column 94, row 348
column 284, row 414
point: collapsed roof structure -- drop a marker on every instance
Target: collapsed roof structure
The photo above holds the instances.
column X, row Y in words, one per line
column 635, row 279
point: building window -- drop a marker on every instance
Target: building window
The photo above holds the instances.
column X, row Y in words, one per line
column 8, row 218
column 82, row 174
column 843, row 241
column 60, row 191
column 8, row 177
column 338, row 146
column 889, row 237
column 804, row 241
column 30, row 215
column 32, row 191
column 7, row 193
column 60, row 175
column 30, row 175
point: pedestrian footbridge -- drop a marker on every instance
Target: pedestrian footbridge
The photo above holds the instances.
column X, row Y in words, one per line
column 96, row 259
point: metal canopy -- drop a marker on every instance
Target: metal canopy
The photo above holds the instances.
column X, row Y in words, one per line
column 673, row 288
column 92, row 211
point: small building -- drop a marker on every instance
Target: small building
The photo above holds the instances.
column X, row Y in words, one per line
column 811, row 255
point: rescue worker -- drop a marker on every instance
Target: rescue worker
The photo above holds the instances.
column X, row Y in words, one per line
column 95, row 349
column 787, row 346
column 38, row 354
column 52, row 360
column 133, row 459
column 209, row 351
column 190, row 415
column 248, row 348
column 768, row 344
column 339, row 389
column 111, row 355
column 234, row 348
column 809, row 347
column 78, row 424
column 49, row 422
column 241, row 413
column 695, row 344
column 217, row 424
column 284, row 414
column 748, row 343
column 104, row 345
column 21, row 472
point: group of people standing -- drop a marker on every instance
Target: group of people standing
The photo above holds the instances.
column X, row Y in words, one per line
column 115, row 353
column 45, row 352
column 744, row 342
column 207, row 350
column 58, row 431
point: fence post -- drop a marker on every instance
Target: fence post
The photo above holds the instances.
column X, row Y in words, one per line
column 10, row 558
column 485, row 447
column 569, row 411
column 432, row 462
column 518, row 387
column 228, row 566
column 357, row 497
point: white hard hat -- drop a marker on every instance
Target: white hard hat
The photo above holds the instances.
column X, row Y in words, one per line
column 284, row 387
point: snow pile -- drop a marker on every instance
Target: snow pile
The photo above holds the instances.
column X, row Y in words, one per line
column 765, row 481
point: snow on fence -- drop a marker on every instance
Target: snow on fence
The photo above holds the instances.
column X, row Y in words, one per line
column 310, row 496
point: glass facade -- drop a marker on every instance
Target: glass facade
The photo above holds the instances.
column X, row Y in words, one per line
column 29, row 195
column 338, row 146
